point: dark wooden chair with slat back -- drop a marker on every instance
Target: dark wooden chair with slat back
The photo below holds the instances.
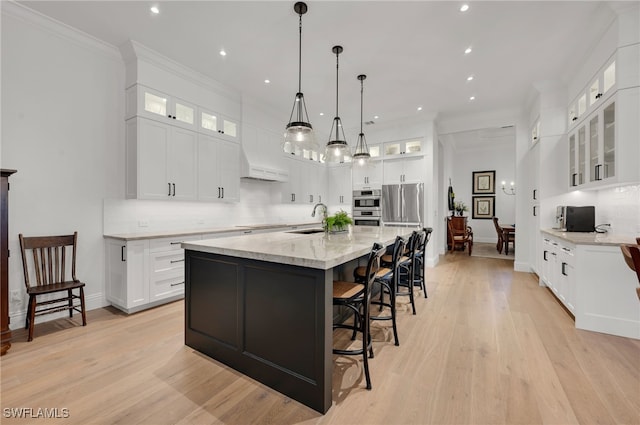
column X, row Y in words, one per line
column 50, row 265
column 631, row 255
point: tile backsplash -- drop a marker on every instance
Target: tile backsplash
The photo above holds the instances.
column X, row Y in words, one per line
column 620, row 207
column 260, row 203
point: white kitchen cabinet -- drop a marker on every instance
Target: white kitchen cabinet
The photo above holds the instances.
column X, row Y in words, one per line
column 592, row 281
column 404, row 170
column 161, row 161
column 315, row 186
column 292, row 190
column 402, row 147
column 558, row 270
column 218, row 170
column 147, row 102
column 597, row 92
column 604, row 148
column 340, row 188
column 127, row 274
column 367, row 176
column 166, row 267
column 216, row 123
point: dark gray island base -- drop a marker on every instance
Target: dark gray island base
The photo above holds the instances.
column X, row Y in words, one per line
column 271, row 321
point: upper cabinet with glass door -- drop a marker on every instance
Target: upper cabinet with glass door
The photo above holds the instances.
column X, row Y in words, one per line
column 153, row 104
column 403, row 147
column 214, row 122
column 598, row 90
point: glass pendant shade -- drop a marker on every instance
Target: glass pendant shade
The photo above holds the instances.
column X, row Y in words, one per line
column 299, row 132
column 361, row 155
column 337, row 149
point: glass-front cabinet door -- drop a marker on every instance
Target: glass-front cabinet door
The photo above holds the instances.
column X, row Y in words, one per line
column 212, row 122
column 573, row 173
column 609, row 140
column 582, row 147
column 594, row 150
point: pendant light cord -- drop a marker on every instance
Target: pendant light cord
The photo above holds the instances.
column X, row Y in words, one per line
column 361, row 103
column 337, row 114
column 300, row 54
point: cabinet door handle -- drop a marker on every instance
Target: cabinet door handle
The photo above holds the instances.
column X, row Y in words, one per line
column 246, row 232
column 535, row 194
column 573, row 179
column 219, row 193
column 175, row 243
column 534, row 211
column 177, row 284
column 177, row 261
column 169, row 194
column 544, row 255
column 599, row 95
column 597, row 170
column 563, row 268
column 222, row 192
column 311, row 198
column 122, row 248
column 574, row 119
column 319, row 198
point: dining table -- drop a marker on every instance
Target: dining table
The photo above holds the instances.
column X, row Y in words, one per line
column 507, row 231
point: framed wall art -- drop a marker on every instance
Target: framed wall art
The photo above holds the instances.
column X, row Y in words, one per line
column 484, row 207
column 484, row 182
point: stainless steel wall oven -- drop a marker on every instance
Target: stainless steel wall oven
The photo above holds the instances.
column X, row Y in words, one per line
column 366, row 207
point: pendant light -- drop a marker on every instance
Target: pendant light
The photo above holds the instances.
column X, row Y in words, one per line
column 337, row 149
column 299, row 132
column 361, row 155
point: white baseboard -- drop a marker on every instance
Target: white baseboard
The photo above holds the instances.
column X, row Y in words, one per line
column 521, row 266
column 92, row 302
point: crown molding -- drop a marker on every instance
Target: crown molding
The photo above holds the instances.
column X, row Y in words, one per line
column 57, row 28
column 133, row 50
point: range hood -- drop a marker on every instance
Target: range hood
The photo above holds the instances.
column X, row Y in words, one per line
column 253, row 170
column 261, row 157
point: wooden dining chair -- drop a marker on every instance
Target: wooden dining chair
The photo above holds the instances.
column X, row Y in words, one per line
column 459, row 235
column 50, row 264
column 500, row 243
column 631, row 255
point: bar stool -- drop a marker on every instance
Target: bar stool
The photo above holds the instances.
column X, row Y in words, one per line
column 387, row 278
column 406, row 270
column 420, row 259
column 357, row 298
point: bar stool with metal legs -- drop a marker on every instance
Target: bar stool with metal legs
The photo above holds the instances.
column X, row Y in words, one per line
column 386, row 277
column 420, row 260
column 357, row 298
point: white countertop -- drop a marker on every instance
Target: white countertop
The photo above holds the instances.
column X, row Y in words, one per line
column 317, row 250
column 173, row 233
column 591, row 238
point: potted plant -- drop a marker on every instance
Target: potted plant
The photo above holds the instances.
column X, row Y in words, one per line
column 461, row 208
column 339, row 222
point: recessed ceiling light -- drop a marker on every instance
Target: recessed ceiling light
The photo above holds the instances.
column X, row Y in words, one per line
column 470, row 78
column 267, row 81
column 375, row 117
column 464, row 8
column 419, row 108
column 467, row 50
column 223, row 53
column 154, row 9
column 321, row 113
column 472, row 98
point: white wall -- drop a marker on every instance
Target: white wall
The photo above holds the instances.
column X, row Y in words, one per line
column 62, row 109
column 500, row 159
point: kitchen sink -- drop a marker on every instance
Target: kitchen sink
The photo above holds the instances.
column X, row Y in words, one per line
column 307, row 231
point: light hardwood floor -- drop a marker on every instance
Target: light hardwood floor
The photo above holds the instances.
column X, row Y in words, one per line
column 489, row 346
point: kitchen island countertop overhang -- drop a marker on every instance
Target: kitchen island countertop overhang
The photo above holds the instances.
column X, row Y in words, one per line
column 316, row 250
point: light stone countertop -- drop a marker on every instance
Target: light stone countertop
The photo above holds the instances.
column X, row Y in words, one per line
column 317, row 250
column 174, row 233
column 591, row 238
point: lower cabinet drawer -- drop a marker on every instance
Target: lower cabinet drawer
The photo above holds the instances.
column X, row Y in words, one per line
column 166, row 261
column 166, row 284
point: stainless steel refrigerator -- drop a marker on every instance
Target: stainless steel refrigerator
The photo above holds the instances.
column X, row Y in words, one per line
column 402, row 204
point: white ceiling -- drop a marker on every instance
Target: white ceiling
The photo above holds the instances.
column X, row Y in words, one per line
column 412, row 52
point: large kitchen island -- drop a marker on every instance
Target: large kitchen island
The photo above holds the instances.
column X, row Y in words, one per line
column 262, row 304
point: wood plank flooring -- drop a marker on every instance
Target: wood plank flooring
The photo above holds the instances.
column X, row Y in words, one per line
column 489, row 346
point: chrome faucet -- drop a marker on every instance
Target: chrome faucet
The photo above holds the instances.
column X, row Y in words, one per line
column 324, row 211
